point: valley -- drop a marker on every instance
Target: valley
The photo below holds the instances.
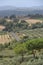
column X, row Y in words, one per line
column 21, row 37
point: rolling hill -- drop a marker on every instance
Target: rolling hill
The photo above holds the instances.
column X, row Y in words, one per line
column 9, row 10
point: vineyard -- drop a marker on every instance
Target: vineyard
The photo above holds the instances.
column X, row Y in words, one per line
column 35, row 33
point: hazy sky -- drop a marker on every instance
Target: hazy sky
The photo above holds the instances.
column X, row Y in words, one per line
column 21, row 3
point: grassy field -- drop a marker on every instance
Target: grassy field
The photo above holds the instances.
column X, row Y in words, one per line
column 8, row 57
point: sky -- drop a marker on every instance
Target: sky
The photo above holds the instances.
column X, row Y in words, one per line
column 21, row 3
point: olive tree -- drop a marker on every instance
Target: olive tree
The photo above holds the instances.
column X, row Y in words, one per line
column 21, row 50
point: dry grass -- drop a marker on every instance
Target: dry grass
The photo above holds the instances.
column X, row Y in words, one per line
column 9, row 20
column 33, row 21
column 2, row 27
column 5, row 38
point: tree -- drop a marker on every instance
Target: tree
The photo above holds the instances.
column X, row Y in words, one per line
column 12, row 16
column 20, row 49
column 30, row 47
column 34, row 44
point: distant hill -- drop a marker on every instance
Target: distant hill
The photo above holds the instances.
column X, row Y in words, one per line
column 9, row 10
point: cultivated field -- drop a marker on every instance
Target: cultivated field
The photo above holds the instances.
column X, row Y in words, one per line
column 5, row 38
column 36, row 33
column 33, row 21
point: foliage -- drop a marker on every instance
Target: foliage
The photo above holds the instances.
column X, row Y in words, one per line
column 35, row 44
column 20, row 48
